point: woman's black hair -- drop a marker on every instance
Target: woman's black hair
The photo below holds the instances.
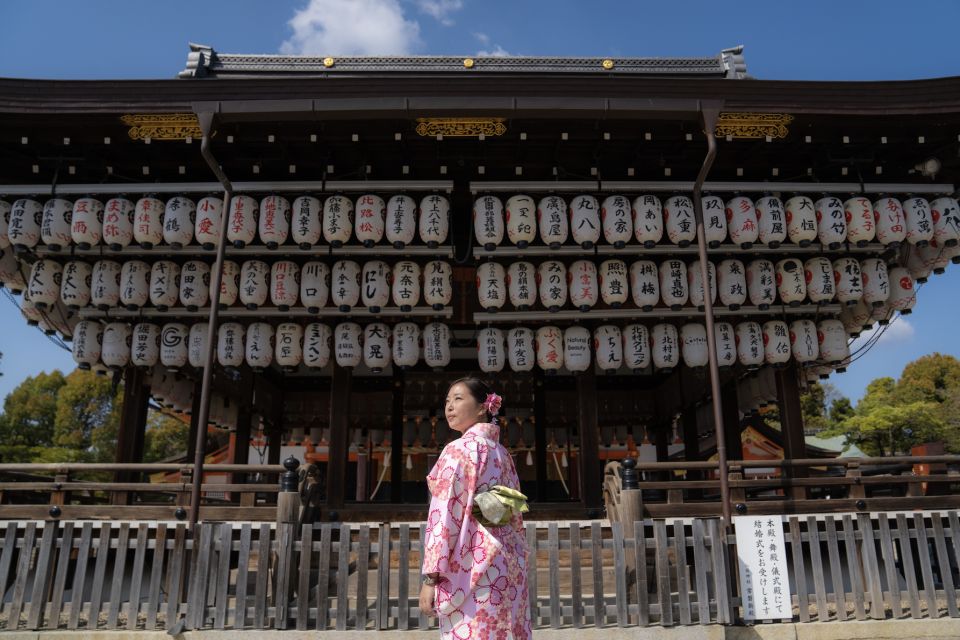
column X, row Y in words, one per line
column 477, row 388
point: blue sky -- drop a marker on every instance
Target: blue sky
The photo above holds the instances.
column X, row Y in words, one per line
column 812, row 40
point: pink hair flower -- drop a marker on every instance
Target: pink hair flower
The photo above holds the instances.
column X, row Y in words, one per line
column 492, row 403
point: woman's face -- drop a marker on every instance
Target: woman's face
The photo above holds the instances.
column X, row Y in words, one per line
column 461, row 409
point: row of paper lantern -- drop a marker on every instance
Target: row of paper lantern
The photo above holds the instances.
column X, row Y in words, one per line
column 636, row 346
column 260, row 345
column 120, row 222
column 135, row 284
column 176, row 392
column 743, row 221
column 675, row 284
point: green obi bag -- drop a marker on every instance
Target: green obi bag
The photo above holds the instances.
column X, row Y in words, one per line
column 495, row 508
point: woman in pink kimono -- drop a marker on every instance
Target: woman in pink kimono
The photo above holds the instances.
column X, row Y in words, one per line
column 475, row 577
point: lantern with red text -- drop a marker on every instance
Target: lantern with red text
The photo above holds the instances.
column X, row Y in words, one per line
column 549, row 346
column 86, row 226
column 890, row 222
column 147, row 221
column 861, row 229
column 742, row 221
column 207, row 223
column 582, row 281
column 284, row 284
column 371, row 214
column 274, row 223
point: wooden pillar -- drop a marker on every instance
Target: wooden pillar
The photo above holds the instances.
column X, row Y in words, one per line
column 339, row 436
column 133, row 424
column 791, row 425
column 241, row 453
column 661, row 440
column 731, row 420
column 396, row 437
column 194, row 417
column 540, row 434
column 591, row 469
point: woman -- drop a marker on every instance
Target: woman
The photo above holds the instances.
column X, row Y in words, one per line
column 475, row 577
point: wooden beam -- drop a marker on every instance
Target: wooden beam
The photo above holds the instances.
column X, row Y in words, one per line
column 540, row 434
column 731, row 420
column 591, row 469
column 396, row 437
column 339, row 436
column 791, row 424
column 133, row 424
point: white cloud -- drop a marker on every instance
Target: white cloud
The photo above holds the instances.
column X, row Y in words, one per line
column 352, row 27
column 496, row 52
column 440, row 9
column 897, row 332
column 482, row 37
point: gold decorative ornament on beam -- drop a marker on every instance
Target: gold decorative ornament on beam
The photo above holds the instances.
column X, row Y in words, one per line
column 162, row 126
column 752, row 125
column 461, row 127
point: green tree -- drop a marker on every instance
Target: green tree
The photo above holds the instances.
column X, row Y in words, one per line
column 840, row 409
column 931, row 378
column 87, row 419
column 166, row 437
column 29, row 416
column 813, row 408
column 889, row 429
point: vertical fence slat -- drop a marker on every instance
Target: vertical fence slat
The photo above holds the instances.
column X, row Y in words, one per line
column 323, row 577
column 531, row 573
column 363, row 565
column 718, row 549
column 223, row 575
column 175, row 584
column 422, row 621
column 576, row 600
column 60, row 581
column 680, row 551
column 383, row 575
column 119, row 565
column 263, row 574
column 853, row 567
column 303, row 584
column 136, row 575
column 7, row 552
column 343, row 578
column 20, row 578
column 156, row 575
column 871, row 568
column 553, row 556
column 816, row 562
column 836, row 572
column 243, row 573
column 700, row 570
column 596, row 547
column 799, row 570
column 943, row 563
column 926, row 570
column 954, row 535
column 46, row 553
column 909, row 571
column 663, row 573
column 889, row 565
column 620, row 574
column 79, row 574
column 403, row 579
column 286, row 539
column 197, row 596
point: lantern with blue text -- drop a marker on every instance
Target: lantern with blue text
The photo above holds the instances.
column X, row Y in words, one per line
column 749, row 338
column 376, row 346
column 406, row 344
column 197, row 344
column 726, row 344
column 876, row 281
column 345, row 284
column 549, row 346
column 520, row 350
column 86, row 225
column 75, row 284
column 371, row 213
column 434, row 222
column 289, row 346
column 488, row 221
column 274, row 223
column 776, row 342
column 645, row 284
column 259, row 345
column 920, row 226
column 665, row 342
column 314, row 285
column 584, row 214
column 732, row 283
column 801, row 220
column 833, row 341
column 673, row 283
column 890, row 222
column 207, row 222
column 714, row 220
column 613, row 280
column 847, row 280
column 23, row 226
column 284, row 284
column 134, row 284
column 179, row 218
column 583, row 285
column 195, row 284
column 678, row 216
column 44, row 283
column 337, row 220
column 693, row 341
column 615, row 216
column 491, row 286
column 490, row 352
column 87, row 343
column 576, row 349
column 903, row 294
column 316, row 345
column 818, row 275
column 520, row 213
column 145, row 349
column 552, row 284
column 636, row 347
column 173, row 345
column 803, row 341
column 742, row 221
column 375, row 285
column 771, row 221
column 831, row 221
column 521, row 285
column 608, row 347
column 648, row 220
column 229, row 284
column 437, row 284
column 436, row 345
column 945, row 213
column 147, row 221
column 305, row 225
column 244, row 215
column 105, row 290
column 230, row 344
column 861, row 229
column 401, row 225
column 695, row 284
column 791, row 282
column 552, row 220
column 55, row 225
column 406, row 285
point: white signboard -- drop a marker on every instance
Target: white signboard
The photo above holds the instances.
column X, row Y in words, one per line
column 762, row 557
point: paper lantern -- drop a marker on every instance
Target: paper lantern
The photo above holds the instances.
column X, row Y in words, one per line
column 401, row 221
column 179, row 218
column 520, row 212
column 5, row 224
column 371, row 213
column 935, row 256
column 173, row 345
column 243, row 219
column 665, row 345
column 197, row 344
column 848, row 280
column 259, row 345
column 374, row 285
column 552, row 220
column 614, row 286
column 882, row 314
column 742, row 221
column 230, row 344
column 584, row 213
column 44, row 283
column 207, row 221
column 608, row 347
column 648, row 220
column 636, row 347
column 920, row 227
column 918, row 261
column 145, row 350
column 726, row 342
column 776, row 342
column 436, row 345
column 376, row 346
column 861, row 312
column 615, row 216
column 520, row 350
column 437, row 284
column 803, row 341
column 673, row 283
column 134, row 284
column 695, row 284
column 488, row 221
column 314, row 286
column 55, row 225
column 289, row 346
column 117, row 340
column 521, row 285
column 771, row 221
column 732, row 283
column 819, row 279
column 345, row 284
column 195, row 284
column 576, row 349
column 833, row 340
column 274, row 223
column 861, row 229
column 316, row 345
column 75, row 284
column 434, row 220
column 23, row 226
column 337, row 220
column 583, row 285
column 749, row 339
column 254, row 283
column 284, row 284
column 147, row 221
column 876, row 281
column 549, row 346
column 903, row 295
column 678, row 215
column 850, row 323
column 406, row 344
column 791, row 283
column 86, row 222
column 406, row 286
column 645, row 284
column 889, row 218
column 552, row 284
column 490, row 352
column 831, row 222
column 229, row 284
column 29, row 310
column 801, row 220
column 491, row 286
column 105, row 290
column 714, row 220
column 693, row 341
column 945, row 213
column 87, row 342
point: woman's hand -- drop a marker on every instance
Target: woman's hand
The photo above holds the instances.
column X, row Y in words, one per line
column 427, row 599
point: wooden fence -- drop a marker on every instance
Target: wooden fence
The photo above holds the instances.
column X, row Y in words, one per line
column 148, row 575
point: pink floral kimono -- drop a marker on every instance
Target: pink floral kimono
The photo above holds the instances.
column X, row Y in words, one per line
column 484, row 591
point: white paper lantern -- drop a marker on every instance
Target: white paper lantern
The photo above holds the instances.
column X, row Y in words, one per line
column 615, row 215
column 29, row 310
column 5, row 223
column 75, row 284
column 337, row 220
column 935, row 256
column 576, row 349
column 776, row 342
column 673, row 283
column 613, row 280
column 117, row 342
column 636, row 347
column 903, row 294
column 55, row 225
column 437, row 284
column 305, row 225
column 831, row 222
column 284, row 284
column 693, row 340
column 376, row 346
column 549, row 346
column 145, row 350
column 945, row 213
column 488, row 222
column 194, row 284
column 229, row 284
column 742, row 221
column 732, row 283
column 406, row 344
column 197, row 344
column 889, row 218
column 695, row 284
column 608, row 347
column 833, row 340
column 920, row 227
column 87, row 343
column 406, row 285
column 678, row 215
column 919, row 261
column 314, row 286
column 850, row 323
column 876, row 282
column 259, row 345
column 583, row 285
column 521, row 285
column 134, row 284
column 645, row 284
column 173, row 345
column 714, row 220
column 771, row 221
column 818, row 275
column 434, row 223
column 86, row 226
column 44, row 283
column 520, row 350
column 148, row 221
column 179, row 218
column 230, row 344
column 749, row 338
column 244, row 215
column 848, row 280
column 23, row 228
column 552, row 220
column 648, row 220
column 861, row 313
column 274, row 223
column 401, row 221
column 105, row 290
column 552, row 283
column 585, row 226
column 665, row 344
column 520, row 212
column 345, row 284
column 375, row 285
column 371, row 213
column 491, row 286
column 316, row 345
column 208, row 220
column 803, row 341
column 861, row 228
column 436, row 345
column 726, row 344
column 490, row 353
column 254, row 283
column 801, row 220
column 289, row 346
column 791, row 284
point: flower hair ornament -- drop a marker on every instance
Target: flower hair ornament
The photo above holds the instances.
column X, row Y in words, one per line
column 492, row 405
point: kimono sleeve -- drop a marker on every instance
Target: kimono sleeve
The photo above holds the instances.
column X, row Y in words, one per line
column 452, row 484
